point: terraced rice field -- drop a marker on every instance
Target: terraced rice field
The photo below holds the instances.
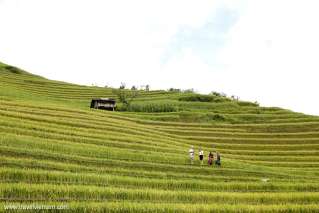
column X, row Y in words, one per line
column 55, row 151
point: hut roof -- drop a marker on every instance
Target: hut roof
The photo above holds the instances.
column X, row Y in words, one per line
column 103, row 99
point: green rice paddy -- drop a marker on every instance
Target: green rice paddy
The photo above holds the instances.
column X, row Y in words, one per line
column 55, row 150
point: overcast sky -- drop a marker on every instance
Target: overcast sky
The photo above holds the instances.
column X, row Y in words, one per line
column 259, row 50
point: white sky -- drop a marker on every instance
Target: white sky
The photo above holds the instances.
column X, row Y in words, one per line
column 259, row 50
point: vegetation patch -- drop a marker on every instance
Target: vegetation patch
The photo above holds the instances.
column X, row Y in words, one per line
column 203, row 98
column 247, row 103
column 13, row 69
column 149, row 107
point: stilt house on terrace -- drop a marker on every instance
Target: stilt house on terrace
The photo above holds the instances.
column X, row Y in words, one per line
column 103, row 103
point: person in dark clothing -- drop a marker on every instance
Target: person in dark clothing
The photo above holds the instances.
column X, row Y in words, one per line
column 201, row 156
column 210, row 158
column 218, row 159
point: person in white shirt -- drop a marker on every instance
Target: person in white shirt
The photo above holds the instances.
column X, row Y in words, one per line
column 191, row 154
column 201, row 156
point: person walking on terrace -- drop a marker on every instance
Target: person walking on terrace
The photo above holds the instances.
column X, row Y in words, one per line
column 210, row 158
column 218, row 159
column 201, row 156
column 191, row 154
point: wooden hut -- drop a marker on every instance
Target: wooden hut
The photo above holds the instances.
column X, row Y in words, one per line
column 103, row 103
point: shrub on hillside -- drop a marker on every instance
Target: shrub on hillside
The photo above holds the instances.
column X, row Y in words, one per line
column 203, row 98
column 247, row 103
column 174, row 90
column 217, row 117
column 13, row 69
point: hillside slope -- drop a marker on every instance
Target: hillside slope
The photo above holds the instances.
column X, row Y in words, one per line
column 55, row 150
